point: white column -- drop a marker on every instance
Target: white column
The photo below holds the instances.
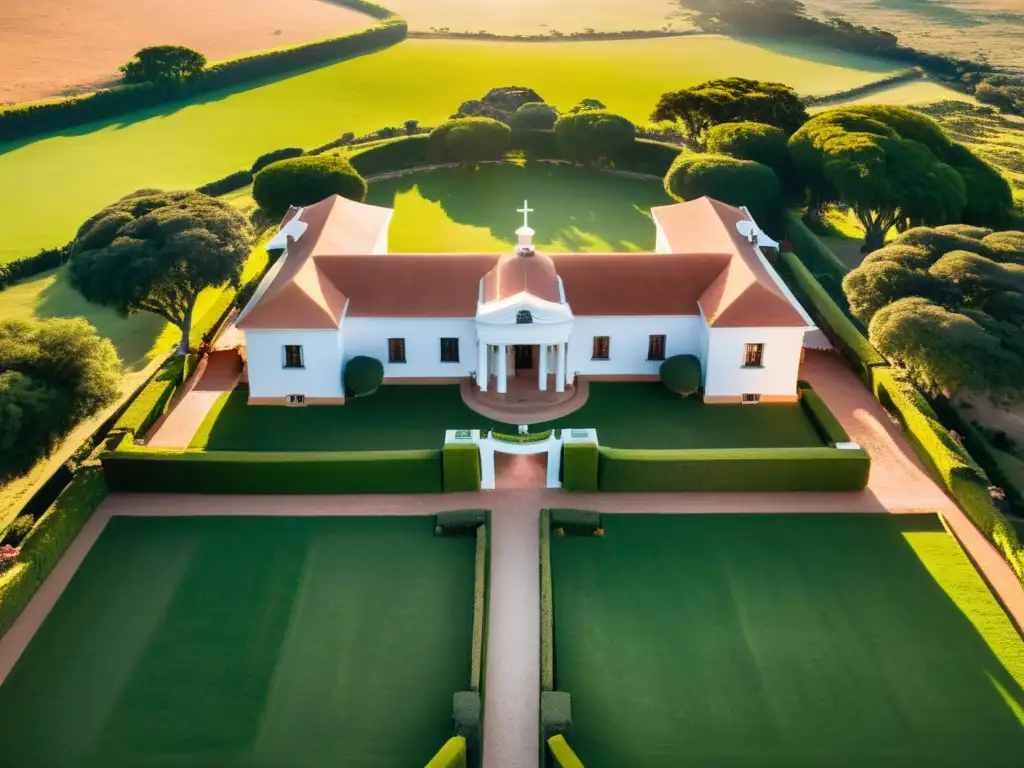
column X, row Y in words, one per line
column 481, row 366
column 542, row 367
column 502, row 369
column 560, row 369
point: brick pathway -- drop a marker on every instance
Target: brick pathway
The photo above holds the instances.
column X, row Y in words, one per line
column 180, row 425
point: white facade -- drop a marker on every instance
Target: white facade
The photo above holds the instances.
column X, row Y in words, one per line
column 319, row 376
column 629, row 339
column 726, row 376
column 369, row 336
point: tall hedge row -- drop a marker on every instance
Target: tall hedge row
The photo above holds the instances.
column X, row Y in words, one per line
column 394, row 155
column 258, row 472
column 812, row 251
column 824, row 420
column 579, row 467
column 734, row 469
column 48, row 541
column 19, row 122
column 547, row 607
column 152, row 401
column 461, row 467
column 480, row 589
column 647, row 156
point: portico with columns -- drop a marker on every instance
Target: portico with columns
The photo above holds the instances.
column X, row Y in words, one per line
column 523, row 321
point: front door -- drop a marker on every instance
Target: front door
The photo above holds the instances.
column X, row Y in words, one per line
column 524, row 357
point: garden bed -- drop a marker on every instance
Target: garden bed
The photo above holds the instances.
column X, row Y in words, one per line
column 240, row 641
column 796, row 640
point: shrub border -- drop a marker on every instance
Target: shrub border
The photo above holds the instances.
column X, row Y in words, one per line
column 547, row 606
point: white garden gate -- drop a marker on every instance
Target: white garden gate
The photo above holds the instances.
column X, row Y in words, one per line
column 489, row 444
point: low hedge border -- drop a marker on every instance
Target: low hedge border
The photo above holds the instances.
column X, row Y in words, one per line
column 562, row 753
column 547, row 606
column 148, row 470
column 530, row 437
column 734, row 469
column 451, row 755
column 824, row 420
column 480, row 583
column 461, row 467
column 460, row 522
column 830, row 317
column 152, row 401
column 579, row 522
column 579, row 467
column 29, row 120
column 812, row 252
column 47, row 542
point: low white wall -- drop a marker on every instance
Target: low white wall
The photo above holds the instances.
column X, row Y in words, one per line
column 320, row 375
column 628, row 341
column 725, row 374
column 369, row 336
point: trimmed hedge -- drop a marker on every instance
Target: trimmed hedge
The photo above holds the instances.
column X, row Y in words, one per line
column 461, row 467
column 451, row 755
column 576, row 521
column 166, row 471
column 395, row 155
column 467, row 722
column 555, row 714
column 476, row 667
column 28, row 120
column 839, row 328
column 824, row 420
column 734, row 469
column 151, row 403
column 206, row 328
column 547, row 606
column 812, row 252
column 529, row 437
column 284, row 153
column 48, row 541
column 563, row 753
column 229, row 183
column 579, row 467
column 47, row 259
column 18, row 530
column 462, row 522
column 647, row 156
column 537, row 144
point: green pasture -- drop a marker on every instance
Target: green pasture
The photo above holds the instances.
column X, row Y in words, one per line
column 904, row 94
column 626, row 415
column 216, row 642
column 759, row 641
column 52, row 184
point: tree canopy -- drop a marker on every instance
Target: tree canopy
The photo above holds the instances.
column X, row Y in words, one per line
column 154, row 251
column 948, row 305
column 163, row 63
column 53, row 374
column 593, row 136
column 471, row 140
column 535, row 115
column 304, row 181
column 759, row 142
column 895, row 167
column 732, row 181
column 731, row 100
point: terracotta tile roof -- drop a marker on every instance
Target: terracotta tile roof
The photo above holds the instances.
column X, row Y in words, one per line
column 616, row 284
column 711, row 267
column 514, row 274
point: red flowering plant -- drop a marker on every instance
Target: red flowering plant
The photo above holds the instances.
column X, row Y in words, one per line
column 8, row 556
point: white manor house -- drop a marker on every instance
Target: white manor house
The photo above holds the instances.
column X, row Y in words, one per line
column 536, row 320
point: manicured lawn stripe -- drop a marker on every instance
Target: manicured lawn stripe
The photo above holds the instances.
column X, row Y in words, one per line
column 249, row 641
column 191, row 143
column 796, row 640
column 626, row 415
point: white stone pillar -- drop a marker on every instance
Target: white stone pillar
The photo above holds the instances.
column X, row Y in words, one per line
column 542, row 367
column 502, row 369
column 560, row 369
column 481, row 366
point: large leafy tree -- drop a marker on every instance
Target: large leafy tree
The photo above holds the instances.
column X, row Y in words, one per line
column 759, row 142
column 732, row 181
column 53, row 373
column 731, row 100
column 895, row 167
column 154, row 251
column 470, row 141
column 163, row 63
column 304, row 181
column 594, row 136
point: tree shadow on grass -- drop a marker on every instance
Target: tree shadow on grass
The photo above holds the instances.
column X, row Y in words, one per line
column 574, row 209
column 797, row 640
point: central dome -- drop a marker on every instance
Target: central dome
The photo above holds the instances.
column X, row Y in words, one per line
column 517, row 273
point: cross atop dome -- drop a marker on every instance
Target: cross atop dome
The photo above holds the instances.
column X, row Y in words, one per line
column 524, row 233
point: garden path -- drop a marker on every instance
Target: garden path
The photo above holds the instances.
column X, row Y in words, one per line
column 183, row 420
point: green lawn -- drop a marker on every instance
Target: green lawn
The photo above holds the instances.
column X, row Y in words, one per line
column 758, row 641
column 626, row 415
column 190, row 143
column 220, row 642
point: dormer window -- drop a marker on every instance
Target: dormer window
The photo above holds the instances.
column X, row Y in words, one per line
column 524, row 317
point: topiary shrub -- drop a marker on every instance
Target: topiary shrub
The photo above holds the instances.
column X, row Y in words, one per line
column 594, row 136
column 18, row 530
column 471, row 140
column 285, row 153
column 363, row 376
column 304, row 181
column 535, row 115
column 681, row 374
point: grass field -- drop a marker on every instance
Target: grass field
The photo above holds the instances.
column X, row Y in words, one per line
column 215, row 642
column 188, row 144
column 626, row 415
column 757, row 641
column 903, row 94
